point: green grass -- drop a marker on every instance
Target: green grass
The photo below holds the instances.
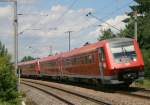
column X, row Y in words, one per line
column 142, row 83
column 8, row 103
column 30, row 102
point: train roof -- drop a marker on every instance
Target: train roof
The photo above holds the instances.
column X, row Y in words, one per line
column 27, row 62
column 84, row 49
column 94, row 46
column 116, row 40
column 49, row 58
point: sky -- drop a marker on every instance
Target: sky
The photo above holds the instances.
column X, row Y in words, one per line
column 43, row 24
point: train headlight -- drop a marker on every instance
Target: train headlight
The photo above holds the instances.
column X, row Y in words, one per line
column 134, row 59
column 104, row 65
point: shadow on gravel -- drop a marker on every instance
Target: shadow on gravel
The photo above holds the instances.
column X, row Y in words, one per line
column 102, row 88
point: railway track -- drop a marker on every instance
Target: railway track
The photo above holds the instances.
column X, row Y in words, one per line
column 144, row 94
column 60, row 92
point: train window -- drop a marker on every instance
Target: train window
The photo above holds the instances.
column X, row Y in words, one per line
column 67, row 62
column 31, row 66
column 78, row 61
column 102, row 54
column 89, row 59
column 74, row 61
column 123, row 52
column 93, row 57
column 49, row 64
column 86, row 59
column 83, row 60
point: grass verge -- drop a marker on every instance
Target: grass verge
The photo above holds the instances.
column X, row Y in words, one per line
column 142, row 83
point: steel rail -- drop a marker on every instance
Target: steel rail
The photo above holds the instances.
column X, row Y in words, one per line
column 45, row 91
column 134, row 95
column 85, row 96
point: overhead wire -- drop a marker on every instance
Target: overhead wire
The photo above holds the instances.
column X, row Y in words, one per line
column 113, row 26
column 72, row 4
column 101, row 19
column 33, row 24
column 117, row 10
column 65, row 12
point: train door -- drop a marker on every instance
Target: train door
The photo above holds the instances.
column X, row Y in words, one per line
column 60, row 73
column 102, row 61
column 38, row 68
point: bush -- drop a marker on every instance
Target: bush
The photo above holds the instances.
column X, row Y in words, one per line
column 8, row 80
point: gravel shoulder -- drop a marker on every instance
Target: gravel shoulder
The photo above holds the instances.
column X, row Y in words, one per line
column 115, row 98
column 38, row 97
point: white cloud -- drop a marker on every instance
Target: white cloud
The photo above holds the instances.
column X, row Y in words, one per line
column 27, row 1
column 59, row 18
column 116, row 22
column 6, row 20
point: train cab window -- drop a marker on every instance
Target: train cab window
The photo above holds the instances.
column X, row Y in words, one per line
column 102, row 54
column 123, row 52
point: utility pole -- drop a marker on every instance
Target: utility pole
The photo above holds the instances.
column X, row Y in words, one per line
column 51, row 49
column 15, row 23
column 69, row 33
column 16, row 43
column 135, row 25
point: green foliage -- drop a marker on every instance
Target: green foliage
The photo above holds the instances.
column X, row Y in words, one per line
column 142, row 83
column 3, row 50
column 27, row 58
column 107, row 34
column 146, row 56
column 143, row 20
column 146, row 32
column 8, row 80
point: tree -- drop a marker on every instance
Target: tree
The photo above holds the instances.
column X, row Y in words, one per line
column 27, row 58
column 142, row 8
column 146, row 32
column 146, row 57
column 3, row 50
column 107, row 34
column 8, row 80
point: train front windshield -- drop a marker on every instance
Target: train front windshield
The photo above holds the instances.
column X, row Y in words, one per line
column 123, row 52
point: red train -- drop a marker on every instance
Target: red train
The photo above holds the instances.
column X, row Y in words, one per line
column 112, row 61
